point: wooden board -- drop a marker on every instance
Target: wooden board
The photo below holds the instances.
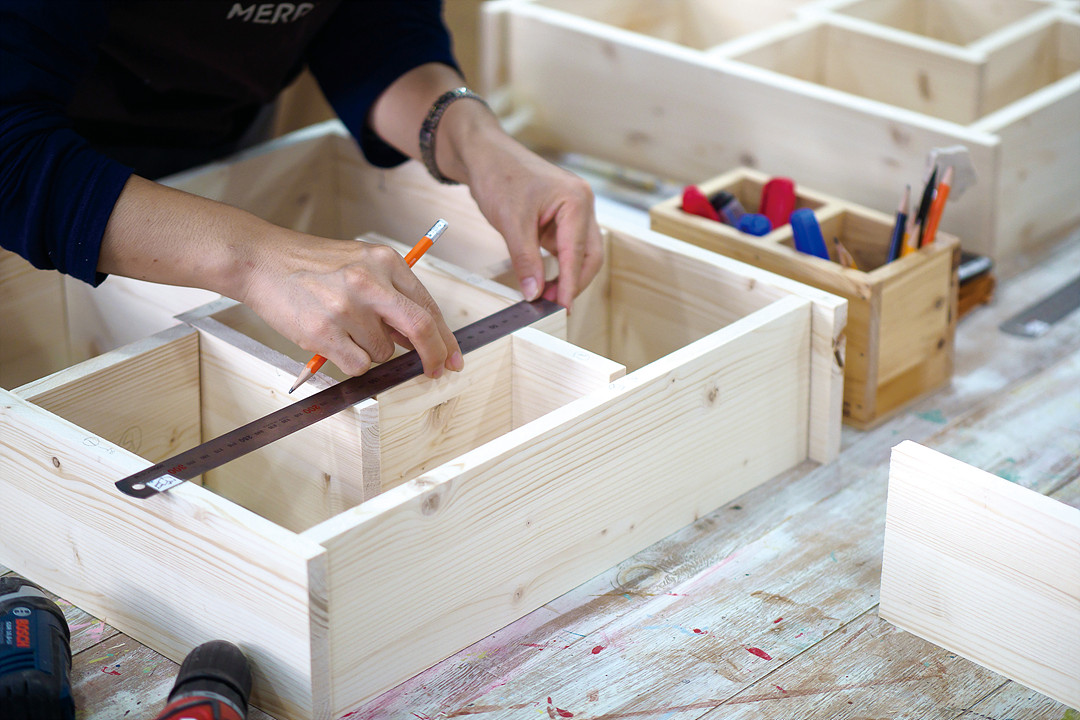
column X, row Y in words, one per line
column 33, row 322
column 142, row 567
column 984, row 568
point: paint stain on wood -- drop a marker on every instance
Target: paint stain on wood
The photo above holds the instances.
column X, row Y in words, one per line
column 759, row 652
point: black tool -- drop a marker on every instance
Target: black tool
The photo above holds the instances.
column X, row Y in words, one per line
column 259, row 433
column 35, row 654
column 214, row 683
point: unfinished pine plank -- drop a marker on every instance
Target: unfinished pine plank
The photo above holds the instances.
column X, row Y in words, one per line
column 289, row 182
column 515, row 492
column 812, row 533
column 549, row 373
column 297, row 481
column 985, row 568
column 646, row 268
column 869, row 161
column 424, row 422
column 1039, row 149
column 143, row 397
column 189, row 549
column 122, row 311
column 33, row 322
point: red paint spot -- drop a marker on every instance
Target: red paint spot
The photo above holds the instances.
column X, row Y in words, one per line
column 596, row 650
column 699, row 631
column 564, row 713
column 780, row 688
column 107, row 671
column 549, row 701
column 760, row 653
column 777, row 620
column 799, row 635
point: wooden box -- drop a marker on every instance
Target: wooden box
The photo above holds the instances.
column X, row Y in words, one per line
column 848, row 96
column 380, row 541
column 901, row 315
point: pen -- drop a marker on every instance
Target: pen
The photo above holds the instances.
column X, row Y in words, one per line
column 938, row 206
column 924, row 208
column 411, row 257
column 898, row 229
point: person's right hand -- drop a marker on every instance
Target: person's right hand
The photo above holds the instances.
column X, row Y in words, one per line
column 349, row 301
column 346, row 300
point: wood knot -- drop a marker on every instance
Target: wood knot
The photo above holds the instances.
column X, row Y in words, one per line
column 56, row 462
column 431, row 503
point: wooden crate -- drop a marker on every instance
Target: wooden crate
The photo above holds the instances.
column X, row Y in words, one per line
column 409, row 526
column 848, row 96
column 901, row 315
column 985, row 568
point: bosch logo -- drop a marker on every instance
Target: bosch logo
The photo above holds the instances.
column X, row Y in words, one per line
column 21, row 612
column 22, row 633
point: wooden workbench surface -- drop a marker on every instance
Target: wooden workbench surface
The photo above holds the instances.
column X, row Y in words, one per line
column 766, row 608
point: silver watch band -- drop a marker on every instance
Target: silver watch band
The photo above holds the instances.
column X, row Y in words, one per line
column 431, row 125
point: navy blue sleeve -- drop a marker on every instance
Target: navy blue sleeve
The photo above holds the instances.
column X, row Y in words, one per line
column 366, row 46
column 56, row 194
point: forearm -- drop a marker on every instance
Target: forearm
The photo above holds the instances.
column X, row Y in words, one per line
column 164, row 235
column 467, row 128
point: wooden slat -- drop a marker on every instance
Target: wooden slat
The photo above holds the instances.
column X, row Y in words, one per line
column 33, row 322
column 297, row 481
column 985, row 568
column 142, row 566
column 144, row 397
column 549, row 373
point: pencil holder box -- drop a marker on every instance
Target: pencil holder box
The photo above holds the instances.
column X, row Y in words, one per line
column 379, row 541
column 901, row 315
column 847, row 96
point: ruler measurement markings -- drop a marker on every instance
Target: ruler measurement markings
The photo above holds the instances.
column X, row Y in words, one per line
column 285, row 421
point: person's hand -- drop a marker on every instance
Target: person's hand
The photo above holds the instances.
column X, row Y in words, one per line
column 346, row 300
column 349, row 301
column 535, row 204
column 530, row 201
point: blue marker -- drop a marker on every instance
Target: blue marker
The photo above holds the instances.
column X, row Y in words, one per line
column 807, row 232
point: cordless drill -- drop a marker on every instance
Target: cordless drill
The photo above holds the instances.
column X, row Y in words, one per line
column 213, row 684
column 35, row 654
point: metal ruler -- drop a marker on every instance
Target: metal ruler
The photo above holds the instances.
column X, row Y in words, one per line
column 259, row 433
column 1037, row 319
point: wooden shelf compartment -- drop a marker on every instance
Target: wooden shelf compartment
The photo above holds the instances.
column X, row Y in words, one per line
column 901, row 316
column 958, row 22
column 428, row 517
column 851, row 106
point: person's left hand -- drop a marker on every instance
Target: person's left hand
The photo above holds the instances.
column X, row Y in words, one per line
column 535, row 204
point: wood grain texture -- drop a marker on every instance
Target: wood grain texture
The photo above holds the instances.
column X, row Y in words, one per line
column 812, row 536
column 985, row 568
column 647, row 79
column 141, row 566
column 549, row 373
column 514, row 491
column 143, row 397
column 34, row 338
column 297, row 481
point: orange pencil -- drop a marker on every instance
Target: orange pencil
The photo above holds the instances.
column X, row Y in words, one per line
column 938, row 206
column 421, row 247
